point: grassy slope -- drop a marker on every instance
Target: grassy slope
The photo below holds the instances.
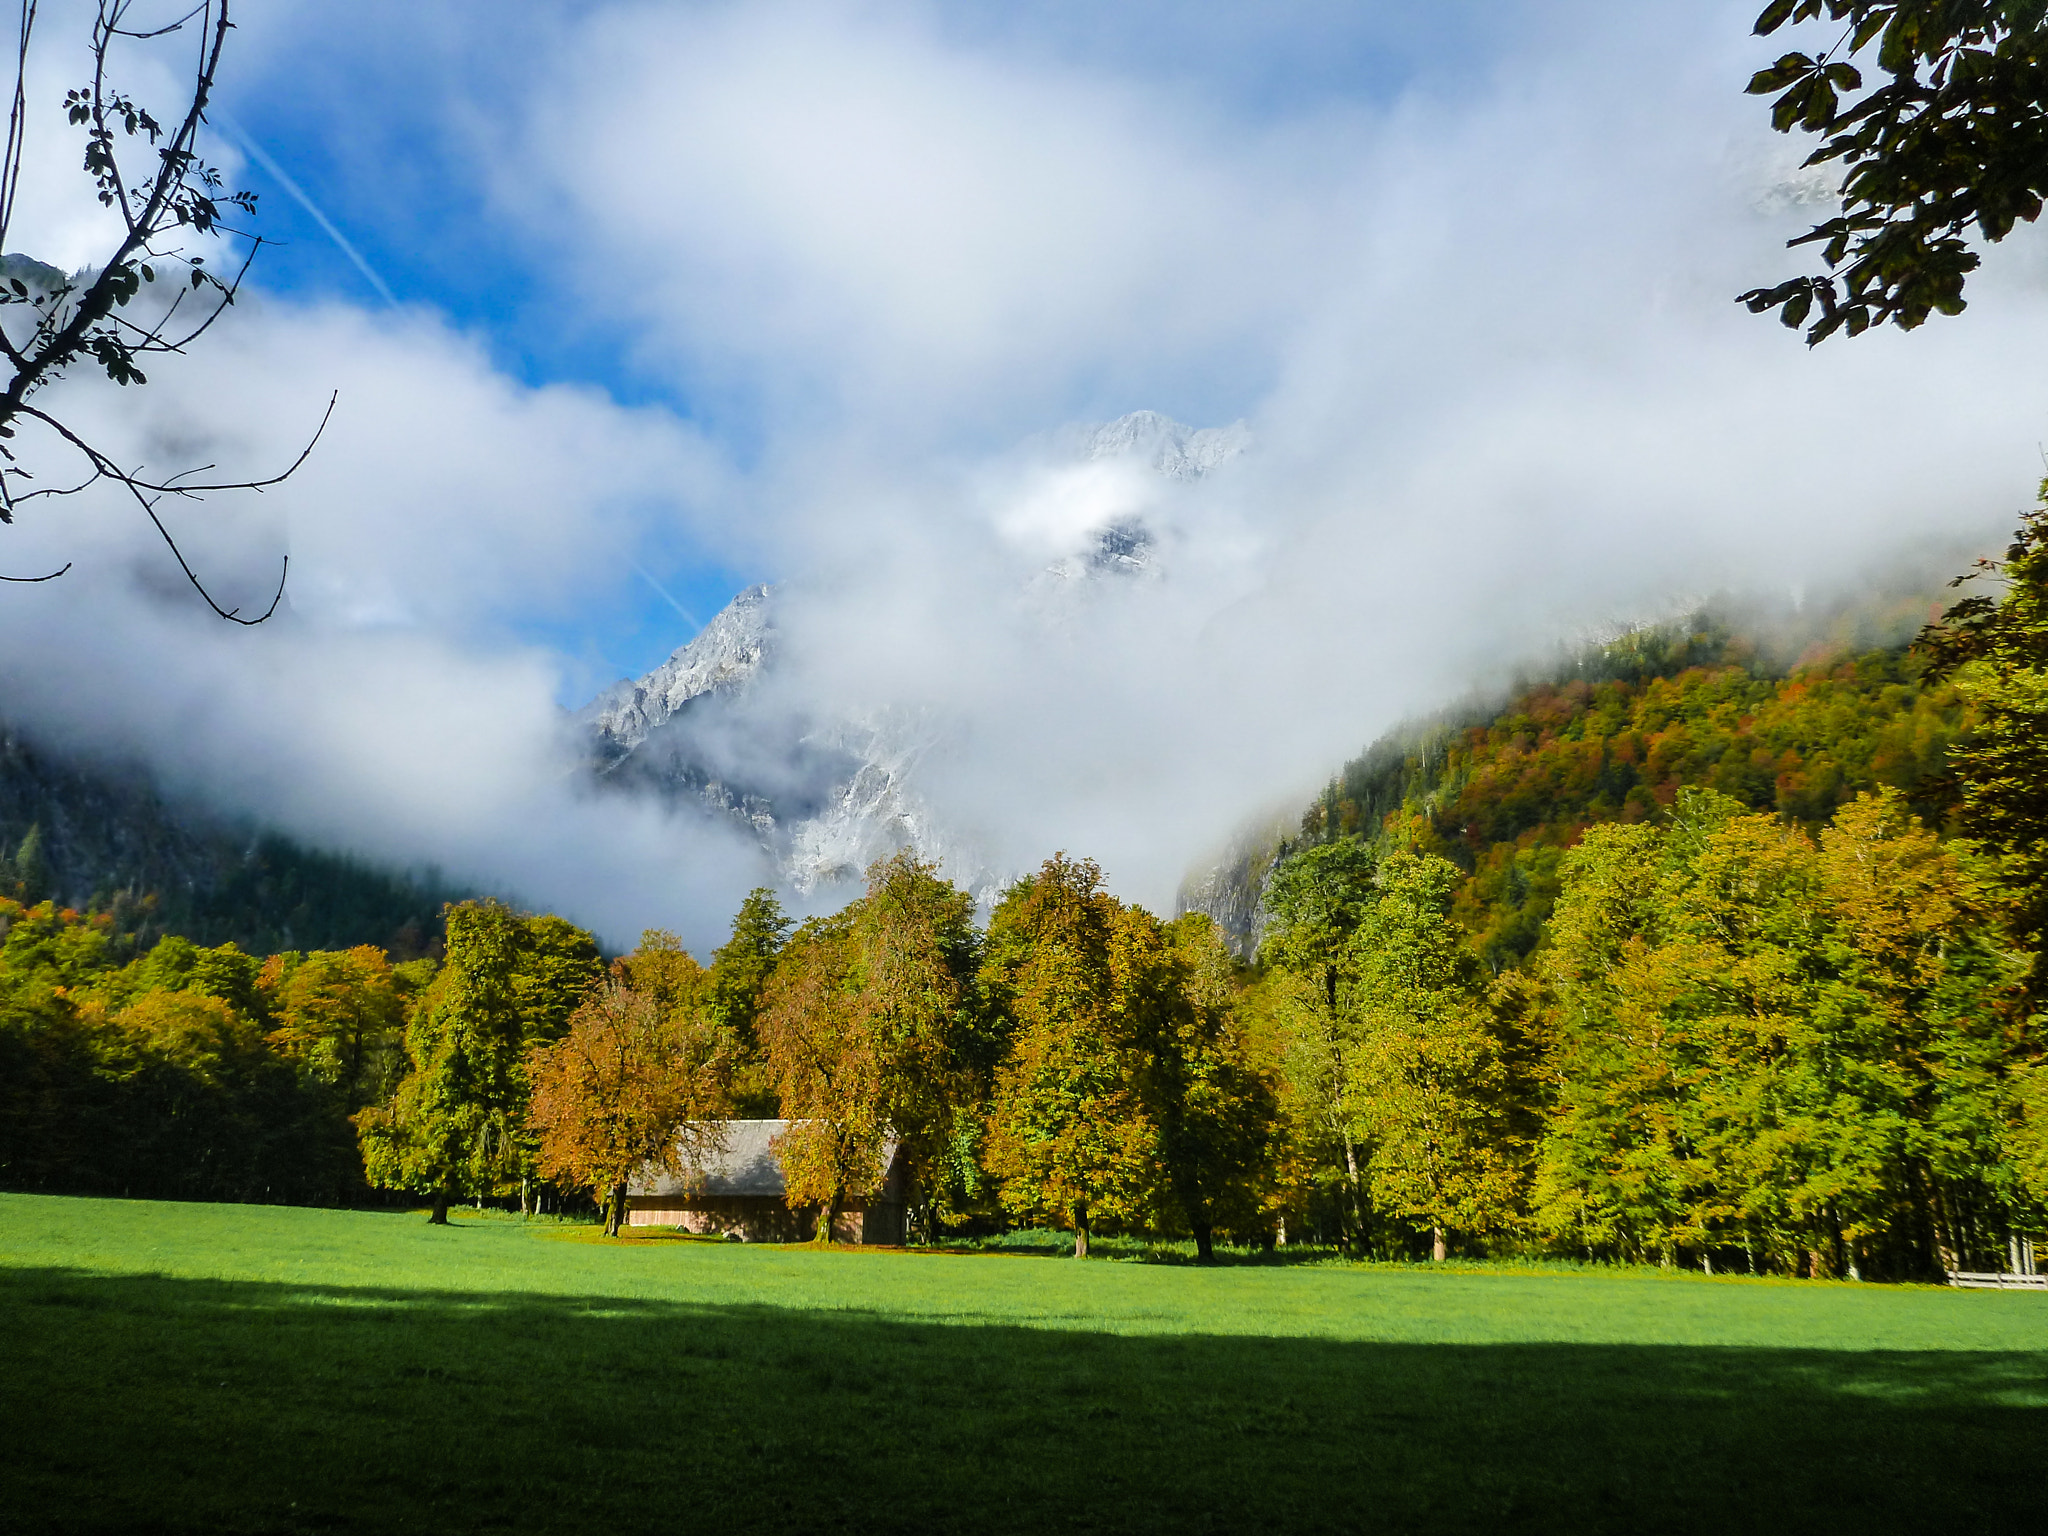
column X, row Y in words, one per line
column 255, row 1368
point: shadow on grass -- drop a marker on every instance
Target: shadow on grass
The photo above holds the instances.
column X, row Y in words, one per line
column 151, row 1404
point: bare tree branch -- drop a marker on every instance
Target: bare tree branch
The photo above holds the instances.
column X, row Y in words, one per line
column 77, row 318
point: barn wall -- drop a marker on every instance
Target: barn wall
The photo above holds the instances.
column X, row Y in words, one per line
column 764, row 1219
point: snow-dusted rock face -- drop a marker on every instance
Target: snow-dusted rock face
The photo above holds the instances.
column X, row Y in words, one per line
column 828, row 796
column 1177, row 452
column 724, row 658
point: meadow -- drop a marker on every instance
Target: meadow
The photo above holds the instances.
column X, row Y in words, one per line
column 187, row 1367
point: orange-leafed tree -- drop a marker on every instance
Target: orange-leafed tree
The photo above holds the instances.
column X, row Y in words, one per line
column 637, row 1083
column 867, row 1028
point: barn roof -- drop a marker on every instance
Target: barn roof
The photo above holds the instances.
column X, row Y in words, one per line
column 741, row 1163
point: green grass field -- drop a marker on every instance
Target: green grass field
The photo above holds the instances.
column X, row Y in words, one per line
column 251, row 1368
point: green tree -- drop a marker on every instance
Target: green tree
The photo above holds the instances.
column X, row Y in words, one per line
column 1996, row 650
column 1071, row 1134
column 449, row 1128
column 27, row 874
column 1214, row 1107
column 740, row 969
column 1804, row 1051
column 1951, row 149
column 1313, row 905
column 1609, row 1177
column 1429, row 1089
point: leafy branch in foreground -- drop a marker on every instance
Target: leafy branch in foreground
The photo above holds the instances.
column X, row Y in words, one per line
column 150, row 297
column 1950, row 151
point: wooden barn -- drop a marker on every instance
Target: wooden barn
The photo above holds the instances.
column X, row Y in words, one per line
column 739, row 1191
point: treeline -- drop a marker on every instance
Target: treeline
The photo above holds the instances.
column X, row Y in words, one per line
column 1738, row 1046
column 1772, row 1006
column 180, row 1071
column 1078, row 1062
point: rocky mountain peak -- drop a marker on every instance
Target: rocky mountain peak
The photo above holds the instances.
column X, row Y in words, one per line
column 723, row 658
column 1175, row 451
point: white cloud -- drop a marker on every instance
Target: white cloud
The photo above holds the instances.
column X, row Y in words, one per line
column 898, row 224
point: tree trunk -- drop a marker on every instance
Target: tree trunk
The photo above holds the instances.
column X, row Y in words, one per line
column 1351, row 1189
column 615, row 1213
column 1440, row 1248
column 440, row 1215
column 1080, row 1231
column 828, row 1212
column 1205, row 1243
column 525, row 1197
column 1947, row 1247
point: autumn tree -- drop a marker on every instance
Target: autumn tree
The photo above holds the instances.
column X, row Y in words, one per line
column 863, row 1025
column 825, row 1073
column 340, row 1015
column 637, row 1082
column 1071, row 1134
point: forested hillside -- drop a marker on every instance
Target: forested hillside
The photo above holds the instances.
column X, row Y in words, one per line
column 94, row 836
column 1505, row 799
column 1503, row 791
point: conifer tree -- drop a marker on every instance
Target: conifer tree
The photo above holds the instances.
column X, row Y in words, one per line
column 740, row 969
